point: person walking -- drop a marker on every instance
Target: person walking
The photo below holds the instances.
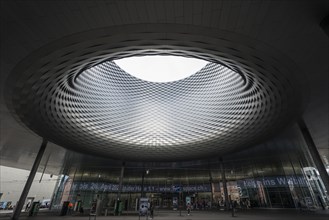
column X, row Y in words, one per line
column 27, row 207
column 151, row 210
column 70, row 208
column 188, row 208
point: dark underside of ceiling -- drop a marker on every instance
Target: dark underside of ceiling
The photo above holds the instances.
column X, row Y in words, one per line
column 286, row 37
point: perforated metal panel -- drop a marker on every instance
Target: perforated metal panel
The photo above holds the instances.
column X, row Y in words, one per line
column 72, row 93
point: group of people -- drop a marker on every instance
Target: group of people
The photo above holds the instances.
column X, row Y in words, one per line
column 147, row 209
column 150, row 211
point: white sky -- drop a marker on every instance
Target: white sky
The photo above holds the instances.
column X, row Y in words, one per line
column 156, row 68
column 12, row 181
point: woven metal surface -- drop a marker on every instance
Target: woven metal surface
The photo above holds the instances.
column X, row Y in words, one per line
column 72, row 93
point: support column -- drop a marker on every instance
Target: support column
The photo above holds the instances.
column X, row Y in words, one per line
column 315, row 154
column 120, row 181
column 227, row 204
column 117, row 202
column 142, row 187
column 211, row 185
column 29, row 181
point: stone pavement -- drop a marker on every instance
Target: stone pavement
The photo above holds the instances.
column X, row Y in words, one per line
column 269, row 214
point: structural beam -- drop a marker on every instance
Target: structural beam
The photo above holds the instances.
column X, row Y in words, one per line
column 21, row 201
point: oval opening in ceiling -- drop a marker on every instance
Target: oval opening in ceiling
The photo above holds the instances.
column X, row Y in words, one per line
column 161, row 68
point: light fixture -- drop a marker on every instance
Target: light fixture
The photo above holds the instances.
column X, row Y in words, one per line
column 160, row 68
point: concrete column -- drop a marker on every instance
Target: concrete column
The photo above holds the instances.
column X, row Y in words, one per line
column 121, row 180
column 211, row 185
column 222, row 168
column 315, row 154
column 117, row 202
column 142, row 187
column 29, row 181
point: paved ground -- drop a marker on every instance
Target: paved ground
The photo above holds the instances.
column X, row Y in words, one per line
column 282, row 214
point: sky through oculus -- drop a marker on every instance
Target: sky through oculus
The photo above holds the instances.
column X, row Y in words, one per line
column 158, row 68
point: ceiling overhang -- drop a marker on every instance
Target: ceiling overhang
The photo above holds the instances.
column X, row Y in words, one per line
column 48, row 92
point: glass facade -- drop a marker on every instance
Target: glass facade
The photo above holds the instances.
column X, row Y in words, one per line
column 277, row 174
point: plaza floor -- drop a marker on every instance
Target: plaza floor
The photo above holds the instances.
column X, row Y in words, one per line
column 280, row 214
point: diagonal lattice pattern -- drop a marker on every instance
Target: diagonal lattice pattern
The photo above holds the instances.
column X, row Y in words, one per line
column 72, row 93
column 125, row 109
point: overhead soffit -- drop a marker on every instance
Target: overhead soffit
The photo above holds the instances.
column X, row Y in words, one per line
column 72, row 93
